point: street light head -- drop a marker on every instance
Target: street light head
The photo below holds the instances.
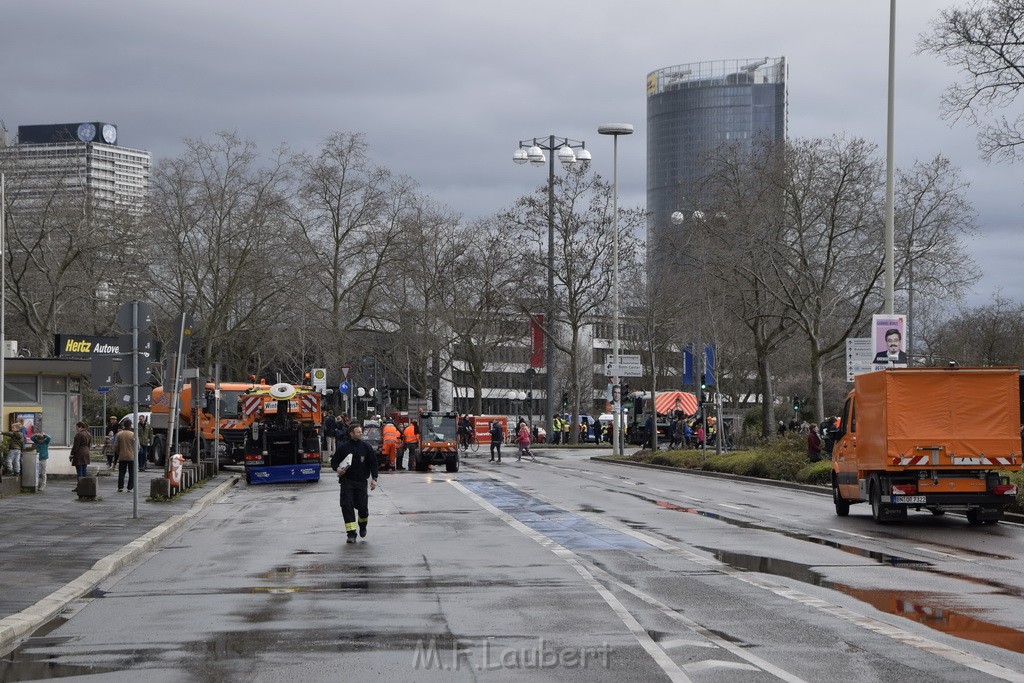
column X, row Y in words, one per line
column 536, row 155
column 520, row 156
column 678, row 217
column 583, row 156
column 616, row 129
column 566, row 156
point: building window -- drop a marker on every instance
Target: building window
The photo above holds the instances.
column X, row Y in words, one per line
column 21, row 389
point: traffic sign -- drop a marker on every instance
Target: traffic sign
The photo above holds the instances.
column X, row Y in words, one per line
column 859, row 357
column 320, row 379
column 345, row 369
column 343, row 387
column 628, row 366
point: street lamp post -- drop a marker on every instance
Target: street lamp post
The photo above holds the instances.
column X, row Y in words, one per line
column 615, row 130
column 535, row 155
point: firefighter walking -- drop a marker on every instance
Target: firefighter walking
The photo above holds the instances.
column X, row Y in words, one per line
column 354, row 496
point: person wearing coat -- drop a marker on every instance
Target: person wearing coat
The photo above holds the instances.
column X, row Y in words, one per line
column 80, row 450
column 523, row 442
column 125, row 451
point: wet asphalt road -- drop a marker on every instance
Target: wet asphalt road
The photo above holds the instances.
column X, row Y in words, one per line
column 563, row 569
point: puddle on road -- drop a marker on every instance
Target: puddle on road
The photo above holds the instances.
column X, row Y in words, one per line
column 925, row 608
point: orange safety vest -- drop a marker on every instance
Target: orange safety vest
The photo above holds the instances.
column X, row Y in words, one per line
column 390, row 434
column 410, row 435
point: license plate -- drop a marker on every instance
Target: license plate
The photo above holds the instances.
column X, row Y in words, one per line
column 908, row 499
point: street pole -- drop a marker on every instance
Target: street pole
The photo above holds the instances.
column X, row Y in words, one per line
column 535, row 155
column 615, row 130
column 890, row 240
column 3, row 295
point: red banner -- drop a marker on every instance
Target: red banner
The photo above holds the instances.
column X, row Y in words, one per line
column 536, row 341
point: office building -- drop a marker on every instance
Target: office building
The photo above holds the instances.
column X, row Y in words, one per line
column 692, row 109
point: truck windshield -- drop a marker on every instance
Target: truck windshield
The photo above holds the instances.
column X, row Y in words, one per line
column 437, row 428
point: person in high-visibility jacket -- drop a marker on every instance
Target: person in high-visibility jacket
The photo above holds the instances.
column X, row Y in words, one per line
column 411, row 437
column 391, row 438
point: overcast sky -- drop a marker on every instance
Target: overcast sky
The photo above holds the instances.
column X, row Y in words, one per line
column 443, row 90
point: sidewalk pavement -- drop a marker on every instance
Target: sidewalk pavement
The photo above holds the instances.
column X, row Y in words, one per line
column 57, row 547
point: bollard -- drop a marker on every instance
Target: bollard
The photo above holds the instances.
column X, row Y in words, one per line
column 159, row 488
column 29, row 471
column 87, row 487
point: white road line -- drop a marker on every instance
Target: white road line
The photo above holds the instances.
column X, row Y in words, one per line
column 850, row 533
column 864, row 622
column 731, row 507
column 639, row 632
column 949, row 555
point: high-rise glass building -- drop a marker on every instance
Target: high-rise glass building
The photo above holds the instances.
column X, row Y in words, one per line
column 693, row 108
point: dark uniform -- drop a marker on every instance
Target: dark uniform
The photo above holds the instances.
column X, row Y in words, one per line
column 354, row 495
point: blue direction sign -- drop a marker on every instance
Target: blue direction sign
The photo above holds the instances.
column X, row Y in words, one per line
column 343, row 387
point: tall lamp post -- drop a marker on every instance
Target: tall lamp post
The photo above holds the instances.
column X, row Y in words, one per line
column 615, row 130
column 535, row 155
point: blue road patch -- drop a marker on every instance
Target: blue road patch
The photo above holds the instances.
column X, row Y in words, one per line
column 565, row 528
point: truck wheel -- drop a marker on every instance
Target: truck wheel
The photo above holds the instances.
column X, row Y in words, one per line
column 876, row 503
column 937, row 512
column 972, row 517
column 422, row 465
column 158, row 450
column 842, row 505
column 452, row 464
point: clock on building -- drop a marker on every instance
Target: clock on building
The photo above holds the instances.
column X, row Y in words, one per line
column 86, row 132
column 109, row 133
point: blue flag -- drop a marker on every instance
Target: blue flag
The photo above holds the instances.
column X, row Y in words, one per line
column 709, row 365
column 688, row 365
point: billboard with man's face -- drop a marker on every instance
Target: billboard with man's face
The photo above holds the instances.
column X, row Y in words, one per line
column 888, row 340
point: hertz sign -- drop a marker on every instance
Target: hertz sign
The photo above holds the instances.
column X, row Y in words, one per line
column 86, row 346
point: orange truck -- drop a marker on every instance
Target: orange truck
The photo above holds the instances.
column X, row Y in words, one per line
column 201, row 423
column 906, row 442
column 439, row 441
column 283, row 442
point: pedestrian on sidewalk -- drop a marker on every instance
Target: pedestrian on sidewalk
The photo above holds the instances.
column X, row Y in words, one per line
column 42, row 441
column 496, row 438
column 125, row 450
column 352, row 477
column 145, row 442
column 523, row 442
column 16, row 442
column 80, row 450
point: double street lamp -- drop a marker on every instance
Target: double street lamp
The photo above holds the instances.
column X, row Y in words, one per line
column 532, row 150
column 615, row 130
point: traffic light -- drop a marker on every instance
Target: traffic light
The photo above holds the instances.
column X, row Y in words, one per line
column 565, row 399
column 796, row 404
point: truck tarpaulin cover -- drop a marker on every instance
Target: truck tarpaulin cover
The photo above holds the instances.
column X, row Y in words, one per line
column 668, row 402
column 969, row 411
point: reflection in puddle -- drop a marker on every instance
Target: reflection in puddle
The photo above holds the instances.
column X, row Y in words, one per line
column 924, row 608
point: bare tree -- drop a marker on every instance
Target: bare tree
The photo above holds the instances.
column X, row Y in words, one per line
column 484, row 320
column 582, row 262
column 349, row 214
column 69, row 256
column 985, row 41
column 992, row 335
column 221, row 249
column 736, row 217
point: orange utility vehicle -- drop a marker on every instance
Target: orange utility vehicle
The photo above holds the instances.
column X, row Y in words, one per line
column 202, row 423
column 439, row 441
column 283, row 441
column 906, row 441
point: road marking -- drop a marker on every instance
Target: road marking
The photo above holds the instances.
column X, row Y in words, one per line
column 942, row 554
column 867, row 623
column 731, row 507
column 573, row 560
column 850, row 533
